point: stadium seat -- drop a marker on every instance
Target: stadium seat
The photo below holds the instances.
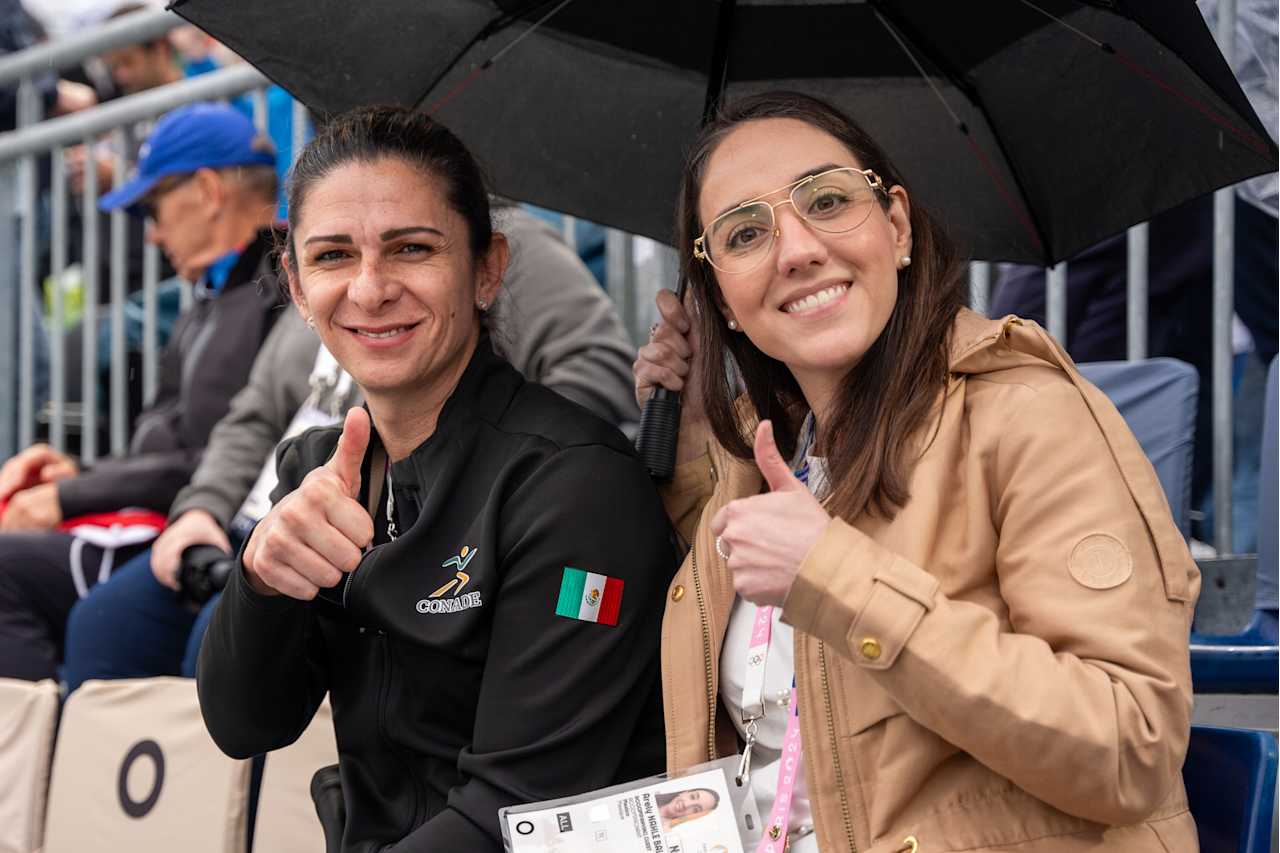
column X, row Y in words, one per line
column 1247, row 662
column 287, row 821
column 1230, row 776
column 135, row 770
column 1157, row 398
column 28, row 719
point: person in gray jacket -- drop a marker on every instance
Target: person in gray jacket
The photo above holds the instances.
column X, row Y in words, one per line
column 552, row 322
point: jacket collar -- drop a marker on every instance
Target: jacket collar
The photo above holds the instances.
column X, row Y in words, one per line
column 483, row 393
column 979, row 345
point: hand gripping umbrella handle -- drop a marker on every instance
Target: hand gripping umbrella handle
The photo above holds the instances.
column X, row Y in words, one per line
column 659, row 431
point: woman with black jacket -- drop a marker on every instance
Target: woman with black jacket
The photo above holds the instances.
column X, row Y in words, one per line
column 473, row 568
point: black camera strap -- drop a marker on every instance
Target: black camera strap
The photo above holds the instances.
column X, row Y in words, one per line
column 377, row 476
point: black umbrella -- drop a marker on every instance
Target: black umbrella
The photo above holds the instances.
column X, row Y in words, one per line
column 1034, row 128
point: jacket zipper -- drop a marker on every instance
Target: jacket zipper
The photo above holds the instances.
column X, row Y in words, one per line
column 835, row 749
column 346, row 586
column 385, row 642
column 706, row 657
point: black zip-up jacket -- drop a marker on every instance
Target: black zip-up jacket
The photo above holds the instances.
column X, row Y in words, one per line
column 456, row 689
column 204, row 364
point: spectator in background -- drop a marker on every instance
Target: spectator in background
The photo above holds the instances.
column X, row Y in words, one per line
column 187, row 52
column 208, row 181
column 554, row 324
column 134, row 68
column 1180, row 289
column 19, row 30
column 1179, row 306
column 202, row 53
column 1256, row 63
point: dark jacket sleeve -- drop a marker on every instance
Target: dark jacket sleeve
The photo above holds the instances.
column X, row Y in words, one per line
column 148, row 480
column 157, row 466
column 262, row 671
column 561, row 698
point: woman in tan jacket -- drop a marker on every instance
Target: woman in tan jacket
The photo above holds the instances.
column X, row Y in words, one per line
column 920, row 527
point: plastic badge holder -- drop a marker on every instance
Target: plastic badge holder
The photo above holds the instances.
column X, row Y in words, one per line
column 702, row 810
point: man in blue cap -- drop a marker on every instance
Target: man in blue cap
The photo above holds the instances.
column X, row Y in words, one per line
column 208, row 181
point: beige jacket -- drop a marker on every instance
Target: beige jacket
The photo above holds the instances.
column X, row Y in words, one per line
column 1004, row 664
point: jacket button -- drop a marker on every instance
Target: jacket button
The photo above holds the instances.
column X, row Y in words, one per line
column 677, row 593
column 870, row 648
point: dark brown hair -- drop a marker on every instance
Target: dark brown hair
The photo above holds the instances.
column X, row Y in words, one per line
column 885, row 401
column 369, row 134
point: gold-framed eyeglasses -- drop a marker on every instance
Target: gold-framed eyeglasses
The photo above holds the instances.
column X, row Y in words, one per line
column 833, row 202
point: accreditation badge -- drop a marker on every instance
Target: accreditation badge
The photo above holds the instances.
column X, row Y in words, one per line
column 703, row 810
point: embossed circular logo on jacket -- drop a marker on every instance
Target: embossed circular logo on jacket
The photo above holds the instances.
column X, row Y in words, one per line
column 1100, row 561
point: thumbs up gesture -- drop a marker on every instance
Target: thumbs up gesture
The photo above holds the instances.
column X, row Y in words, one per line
column 767, row 536
column 317, row 532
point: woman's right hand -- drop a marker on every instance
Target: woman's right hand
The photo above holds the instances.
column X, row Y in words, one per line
column 669, row 361
column 318, row 531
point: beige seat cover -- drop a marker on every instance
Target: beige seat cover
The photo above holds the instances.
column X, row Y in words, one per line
column 135, row 770
column 286, row 821
column 28, row 718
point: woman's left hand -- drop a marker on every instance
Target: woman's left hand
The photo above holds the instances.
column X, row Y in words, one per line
column 767, row 536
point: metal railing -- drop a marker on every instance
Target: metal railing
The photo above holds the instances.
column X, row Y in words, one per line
column 18, row 194
column 18, row 154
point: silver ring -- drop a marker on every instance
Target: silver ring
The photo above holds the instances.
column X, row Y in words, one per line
column 720, row 550
column 653, row 331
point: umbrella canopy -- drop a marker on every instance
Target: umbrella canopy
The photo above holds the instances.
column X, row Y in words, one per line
column 1032, row 128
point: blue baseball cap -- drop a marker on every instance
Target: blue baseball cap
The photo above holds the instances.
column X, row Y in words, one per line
column 196, row 136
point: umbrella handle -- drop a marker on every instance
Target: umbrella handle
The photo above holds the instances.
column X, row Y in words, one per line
column 659, row 431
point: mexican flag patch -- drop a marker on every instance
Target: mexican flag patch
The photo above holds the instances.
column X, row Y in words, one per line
column 589, row 597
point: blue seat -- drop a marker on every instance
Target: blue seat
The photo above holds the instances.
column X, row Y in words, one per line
column 1231, row 664
column 1230, row 776
column 1247, row 662
column 1157, row 398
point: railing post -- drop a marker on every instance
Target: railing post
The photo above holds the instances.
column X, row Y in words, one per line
column 259, row 101
column 620, row 274
column 299, row 130
column 29, row 315
column 119, row 274
column 1056, row 302
column 9, row 311
column 89, row 316
column 57, row 330
column 150, row 330
column 1136, row 313
column 980, row 286
column 1224, row 223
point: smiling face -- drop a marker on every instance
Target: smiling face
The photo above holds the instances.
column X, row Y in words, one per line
column 688, row 804
column 818, row 301
column 384, row 270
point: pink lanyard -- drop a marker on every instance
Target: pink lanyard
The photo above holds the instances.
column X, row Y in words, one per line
column 775, row 835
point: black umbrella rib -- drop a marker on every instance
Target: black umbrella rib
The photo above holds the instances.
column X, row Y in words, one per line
column 496, row 25
column 1243, row 136
column 904, row 33
column 718, row 70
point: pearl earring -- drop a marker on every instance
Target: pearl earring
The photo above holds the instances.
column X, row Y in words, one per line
column 482, row 304
column 311, row 321
column 904, row 262
column 733, row 325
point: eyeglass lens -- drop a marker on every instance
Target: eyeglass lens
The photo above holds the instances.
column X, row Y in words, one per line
column 833, row 202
